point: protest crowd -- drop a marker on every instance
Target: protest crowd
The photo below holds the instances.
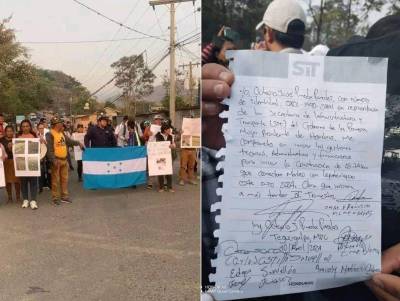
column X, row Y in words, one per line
column 37, row 157
column 283, row 30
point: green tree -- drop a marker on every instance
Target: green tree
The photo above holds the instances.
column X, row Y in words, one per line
column 135, row 79
column 234, row 14
column 24, row 88
column 335, row 21
column 180, row 102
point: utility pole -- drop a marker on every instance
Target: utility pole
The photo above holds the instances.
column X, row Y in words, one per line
column 172, row 72
column 190, row 65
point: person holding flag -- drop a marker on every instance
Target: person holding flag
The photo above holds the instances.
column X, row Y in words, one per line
column 100, row 135
column 57, row 152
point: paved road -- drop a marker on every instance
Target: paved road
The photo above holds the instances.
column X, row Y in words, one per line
column 108, row 245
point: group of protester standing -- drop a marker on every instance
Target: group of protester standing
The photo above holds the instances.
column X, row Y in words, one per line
column 56, row 164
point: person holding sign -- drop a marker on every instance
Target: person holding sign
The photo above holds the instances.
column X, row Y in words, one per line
column 57, row 152
column 9, row 169
column 3, row 158
column 165, row 135
column 44, row 182
column 28, row 183
column 79, row 136
column 2, row 126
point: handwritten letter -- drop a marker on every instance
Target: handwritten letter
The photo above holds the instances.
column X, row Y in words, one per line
column 301, row 192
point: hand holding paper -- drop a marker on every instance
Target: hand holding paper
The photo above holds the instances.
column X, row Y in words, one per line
column 301, row 192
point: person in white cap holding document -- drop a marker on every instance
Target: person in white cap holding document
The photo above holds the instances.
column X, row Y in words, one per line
column 283, row 27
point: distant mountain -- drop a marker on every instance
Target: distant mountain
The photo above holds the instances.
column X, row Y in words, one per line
column 156, row 96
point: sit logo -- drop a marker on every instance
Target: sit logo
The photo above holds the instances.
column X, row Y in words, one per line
column 305, row 68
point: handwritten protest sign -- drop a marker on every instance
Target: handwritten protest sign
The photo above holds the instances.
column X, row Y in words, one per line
column 26, row 153
column 301, row 194
column 77, row 149
column 2, row 175
column 191, row 133
column 159, row 158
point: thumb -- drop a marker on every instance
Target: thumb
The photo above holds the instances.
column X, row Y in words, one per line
column 389, row 283
column 391, row 259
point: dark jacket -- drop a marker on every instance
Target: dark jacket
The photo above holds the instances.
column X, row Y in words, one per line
column 50, row 145
column 160, row 138
column 98, row 137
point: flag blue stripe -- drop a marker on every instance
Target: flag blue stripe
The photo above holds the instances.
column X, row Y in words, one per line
column 114, row 181
column 114, row 154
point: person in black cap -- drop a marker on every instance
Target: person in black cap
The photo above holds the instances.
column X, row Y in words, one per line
column 100, row 135
column 57, row 152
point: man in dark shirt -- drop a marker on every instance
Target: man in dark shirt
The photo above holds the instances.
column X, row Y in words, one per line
column 100, row 135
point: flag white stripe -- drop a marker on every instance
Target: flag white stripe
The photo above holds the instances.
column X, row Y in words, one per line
column 114, row 167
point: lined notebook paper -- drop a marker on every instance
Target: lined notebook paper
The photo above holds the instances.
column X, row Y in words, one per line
column 301, row 189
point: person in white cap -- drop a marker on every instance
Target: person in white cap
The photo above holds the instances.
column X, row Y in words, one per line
column 283, row 27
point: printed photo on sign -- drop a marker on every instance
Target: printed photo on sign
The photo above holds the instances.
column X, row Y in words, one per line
column 20, row 163
column 33, row 147
column 33, row 164
column 19, row 147
column 186, row 140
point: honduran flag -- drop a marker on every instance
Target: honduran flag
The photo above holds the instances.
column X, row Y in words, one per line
column 112, row 168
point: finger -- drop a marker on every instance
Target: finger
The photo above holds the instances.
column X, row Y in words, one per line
column 212, row 136
column 391, row 259
column 215, row 90
column 380, row 294
column 388, row 283
column 217, row 72
column 210, row 108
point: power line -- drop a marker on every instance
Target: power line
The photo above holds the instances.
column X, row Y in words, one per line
column 83, row 42
column 118, row 23
column 88, row 75
column 131, row 50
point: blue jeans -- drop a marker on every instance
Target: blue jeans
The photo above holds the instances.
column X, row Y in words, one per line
column 29, row 183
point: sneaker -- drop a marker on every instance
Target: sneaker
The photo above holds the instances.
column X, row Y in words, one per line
column 66, row 200
column 25, row 204
column 34, row 205
column 171, row 190
column 46, row 188
column 161, row 190
column 56, row 202
column 149, row 186
column 192, row 183
column 182, row 183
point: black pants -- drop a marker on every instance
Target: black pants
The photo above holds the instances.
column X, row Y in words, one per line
column 80, row 168
column 45, row 178
column 161, row 182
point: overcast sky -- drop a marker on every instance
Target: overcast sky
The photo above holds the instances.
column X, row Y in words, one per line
column 65, row 20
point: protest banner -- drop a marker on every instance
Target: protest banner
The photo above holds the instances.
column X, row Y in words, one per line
column 191, row 133
column 301, row 194
column 26, row 152
column 159, row 158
